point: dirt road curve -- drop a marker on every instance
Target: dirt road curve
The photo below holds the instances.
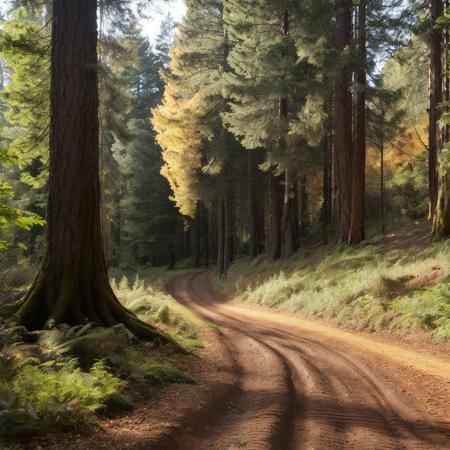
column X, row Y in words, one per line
column 293, row 389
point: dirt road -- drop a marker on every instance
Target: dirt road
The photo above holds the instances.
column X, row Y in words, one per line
column 298, row 386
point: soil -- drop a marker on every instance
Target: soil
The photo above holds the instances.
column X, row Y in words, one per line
column 277, row 381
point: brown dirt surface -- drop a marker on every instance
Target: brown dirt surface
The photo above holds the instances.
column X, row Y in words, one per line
column 278, row 381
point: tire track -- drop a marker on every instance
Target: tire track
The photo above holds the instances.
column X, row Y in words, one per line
column 294, row 392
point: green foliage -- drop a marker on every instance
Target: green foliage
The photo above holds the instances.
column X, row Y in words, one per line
column 11, row 216
column 52, row 395
column 25, row 48
column 408, row 190
column 367, row 287
column 147, row 298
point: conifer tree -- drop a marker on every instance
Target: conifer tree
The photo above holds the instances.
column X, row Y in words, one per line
column 196, row 147
column 268, row 86
column 436, row 98
column 72, row 285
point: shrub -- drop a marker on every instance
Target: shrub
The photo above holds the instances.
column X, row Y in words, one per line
column 52, row 395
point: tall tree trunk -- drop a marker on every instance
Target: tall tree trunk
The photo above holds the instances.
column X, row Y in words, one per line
column 382, row 194
column 197, row 236
column 343, row 123
column 434, row 136
column 275, row 217
column 441, row 220
column 228, row 242
column 220, row 237
column 304, row 221
column 232, row 237
column 187, row 248
column 326, row 190
column 72, row 285
column 441, row 223
column 359, row 156
column 252, row 208
column 288, row 238
column 289, row 235
column 206, row 235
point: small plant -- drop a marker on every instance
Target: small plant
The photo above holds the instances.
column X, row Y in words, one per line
column 53, row 395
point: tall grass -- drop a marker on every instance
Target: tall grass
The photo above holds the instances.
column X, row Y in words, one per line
column 366, row 287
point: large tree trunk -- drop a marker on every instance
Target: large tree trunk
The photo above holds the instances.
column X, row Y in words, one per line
column 441, row 223
column 326, row 190
column 228, row 236
column 434, row 135
column 252, row 208
column 197, row 236
column 72, row 285
column 220, row 238
column 289, row 226
column 441, row 219
column 382, row 190
column 288, row 235
column 206, row 235
column 359, row 156
column 303, row 205
column 343, row 123
column 274, row 217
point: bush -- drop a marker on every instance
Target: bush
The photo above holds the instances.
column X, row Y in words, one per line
column 52, row 395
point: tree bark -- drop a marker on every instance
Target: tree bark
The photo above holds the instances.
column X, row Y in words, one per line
column 434, row 136
column 72, row 285
column 304, row 221
column 206, row 236
column 441, row 223
column 356, row 234
column 275, row 217
column 382, row 194
column 220, row 238
column 252, row 209
column 326, row 190
column 197, row 236
column 441, row 219
column 289, row 227
column 228, row 241
column 343, row 123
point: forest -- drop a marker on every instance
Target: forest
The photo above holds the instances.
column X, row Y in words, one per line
column 225, row 230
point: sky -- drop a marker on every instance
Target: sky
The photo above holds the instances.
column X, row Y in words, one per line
column 158, row 10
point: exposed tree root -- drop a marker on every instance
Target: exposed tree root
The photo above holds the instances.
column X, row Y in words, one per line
column 57, row 300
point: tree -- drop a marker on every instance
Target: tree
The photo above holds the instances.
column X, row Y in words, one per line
column 440, row 87
column 356, row 232
column 25, row 48
column 268, row 85
column 343, row 120
column 72, row 285
column 147, row 222
column 436, row 70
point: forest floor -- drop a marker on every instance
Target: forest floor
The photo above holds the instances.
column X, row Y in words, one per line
column 271, row 380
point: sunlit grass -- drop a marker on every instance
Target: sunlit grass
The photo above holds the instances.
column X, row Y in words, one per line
column 365, row 287
column 64, row 378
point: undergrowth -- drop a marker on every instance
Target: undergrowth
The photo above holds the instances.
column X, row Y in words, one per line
column 65, row 378
column 372, row 286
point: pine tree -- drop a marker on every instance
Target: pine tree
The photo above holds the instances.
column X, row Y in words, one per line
column 436, row 71
column 267, row 88
column 72, row 285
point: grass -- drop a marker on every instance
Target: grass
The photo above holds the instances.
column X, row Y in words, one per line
column 146, row 297
column 67, row 377
column 381, row 284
